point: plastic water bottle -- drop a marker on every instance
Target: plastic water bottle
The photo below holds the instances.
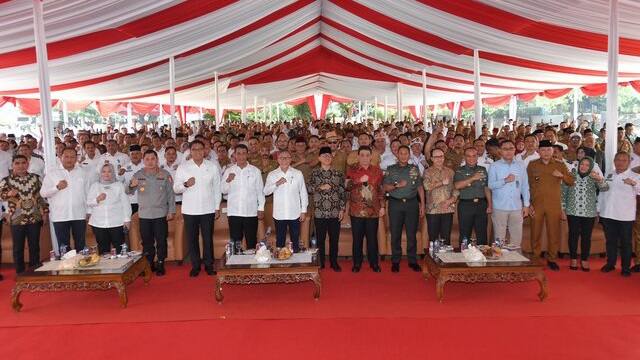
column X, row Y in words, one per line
column 125, row 250
column 63, row 250
column 464, row 244
column 431, row 248
column 227, row 251
column 436, row 247
column 498, row 242
column 314, row 242
column 232, row 245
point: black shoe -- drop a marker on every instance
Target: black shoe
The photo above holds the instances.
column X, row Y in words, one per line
column 635, row 268
column 153, row 266
column 625, row 273
column 553, row 266
column 607, row 268
column 1, row 277
column 415, row 267
column 376, row 268
column 584, row 268
column 573, row 267
column 194, row 272
column 160, row 269
column 355, row 268
column 209, row 270
column 336, row 268
column 395, row 267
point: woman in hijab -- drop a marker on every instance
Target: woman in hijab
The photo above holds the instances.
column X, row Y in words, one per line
column 579, row 209
column 110, row 210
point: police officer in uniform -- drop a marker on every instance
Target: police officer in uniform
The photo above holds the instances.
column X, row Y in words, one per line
column 403, row 184
column 156, row 206
column 475, row 197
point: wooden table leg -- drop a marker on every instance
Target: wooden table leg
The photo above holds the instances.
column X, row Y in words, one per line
column 218, row 289
column 544, row 290
column 440, row 281
column 316, row 280
column 15, row 299
column 122, row 291
column 147, row 272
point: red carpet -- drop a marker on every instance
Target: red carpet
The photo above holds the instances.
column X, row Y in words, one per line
column 587, row 315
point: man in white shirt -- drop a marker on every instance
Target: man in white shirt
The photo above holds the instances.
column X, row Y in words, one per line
column 170, row 163
column 198, row 180
column 618, row 212
column 113, row 156
column 66, row 190
column 89, row 161
column 242, row 183
column 36, row 165
column 530, row 152
column 125, row 174
column 290, row 200
column 391, row 156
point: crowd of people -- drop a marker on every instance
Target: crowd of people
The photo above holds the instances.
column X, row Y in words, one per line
column 320, row 171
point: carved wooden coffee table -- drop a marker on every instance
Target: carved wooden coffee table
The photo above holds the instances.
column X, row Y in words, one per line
column 267, row 273
column 512, row 271
column 85, row 279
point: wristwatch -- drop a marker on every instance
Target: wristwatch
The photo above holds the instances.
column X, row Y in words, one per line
column 395, row 184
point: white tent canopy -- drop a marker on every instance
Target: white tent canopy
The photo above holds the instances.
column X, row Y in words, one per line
column 115, row 50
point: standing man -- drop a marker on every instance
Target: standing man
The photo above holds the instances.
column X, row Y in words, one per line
column 157, row 205
column 243, row 185
column 89, row 161
column 509, row 186
column 290, row 200
column 618, row 212
column 327, row 187
column 475, row 197
column 126, row 173
column 366, row 206
column 27, row 211
column 530, row 152
column 403, row 183
column 198, row 180
column 364, row 139
column 66, row 189
column 545, row 178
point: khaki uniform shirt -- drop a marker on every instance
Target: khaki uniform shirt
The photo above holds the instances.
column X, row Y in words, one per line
column 546, row 189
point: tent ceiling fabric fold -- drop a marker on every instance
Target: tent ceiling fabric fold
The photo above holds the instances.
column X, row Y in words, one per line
column 118, row 50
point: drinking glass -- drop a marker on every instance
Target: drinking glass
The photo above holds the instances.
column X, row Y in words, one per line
column 239, row 247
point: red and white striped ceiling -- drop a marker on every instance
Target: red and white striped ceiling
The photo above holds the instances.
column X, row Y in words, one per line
column 282, row 50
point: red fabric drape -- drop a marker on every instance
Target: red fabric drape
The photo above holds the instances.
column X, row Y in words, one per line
column 312, row 105
column 412, row 110
column 459, row 114
column 77, row 105
column 31, row 106
column 496, row 101
column 432, row 107
column 594, row 89
column 449, row 105
column 469, row 104
column 6, row 99
column 553, row 94
column 296, row 101
column 635, row 85
column 325, row 104
column 107, row 107
column 527, row 97
column 142, row 108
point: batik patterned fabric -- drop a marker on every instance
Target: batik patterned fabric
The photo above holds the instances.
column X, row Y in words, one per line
column 328, row 203
column 27, row 207
column 365, row 200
